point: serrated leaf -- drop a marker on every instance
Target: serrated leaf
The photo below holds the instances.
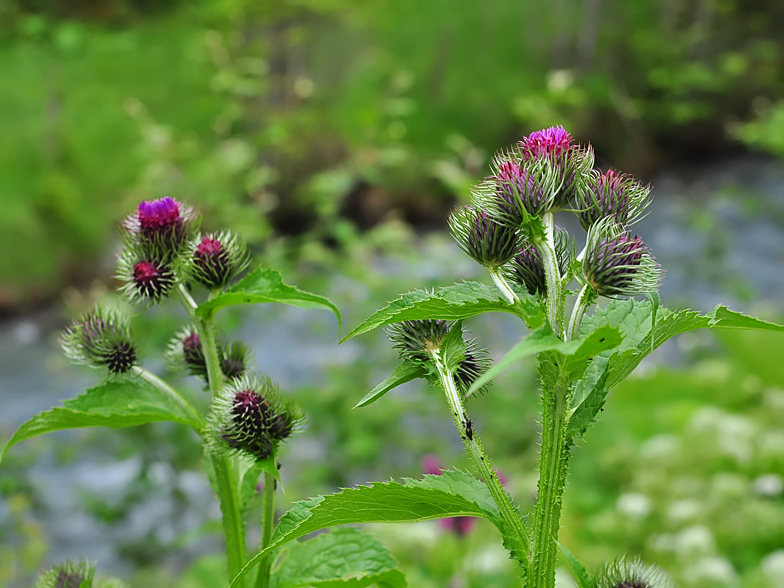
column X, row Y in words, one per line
column 576, row 352
column 265, row 285
column 456, row 302
column 452, row 494
column 453, row 347
column 584, row 413
column 405, row 372
column 584, row 579
column 115, row 404
column 343, row 558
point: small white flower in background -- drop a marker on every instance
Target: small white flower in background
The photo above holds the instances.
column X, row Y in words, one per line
column 773, row 568
column 693, row 542
column 716, row 570
column 636, row 506
column 768, row 485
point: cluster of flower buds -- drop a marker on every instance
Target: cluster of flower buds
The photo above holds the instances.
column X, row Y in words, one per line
column 625, row 573
column 163, row 248
column 101, row 339
column 185, row 352
column 547, row 171
column 417, row 340
column 249, row 417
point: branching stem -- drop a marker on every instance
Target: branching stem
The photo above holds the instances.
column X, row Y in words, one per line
column 546, row 250
column 500, row 281
column 584, row 300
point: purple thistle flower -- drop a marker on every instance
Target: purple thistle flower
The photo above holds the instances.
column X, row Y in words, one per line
column 101, row 338
column 160, row 228
column 550, row 142
column 486, row 241
column 619, row 265
column 611, row 194
column 216, row 258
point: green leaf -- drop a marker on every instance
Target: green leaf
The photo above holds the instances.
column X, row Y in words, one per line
column 452, row 494
column 343, row 558
column 584, row 412
column 456, row 302
column 115, row 404
column 265, row 285
column 584, row 579
column 453, row 347
column 576, row 352
column 403, row 373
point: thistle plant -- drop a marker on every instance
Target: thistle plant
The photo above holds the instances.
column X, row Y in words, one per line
column 590, row 316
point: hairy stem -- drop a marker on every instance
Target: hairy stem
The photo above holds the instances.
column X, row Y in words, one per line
column 553, row 462
column 225, row 468
column 503, row 285
column 482, row 461
column 581, row 304
column 546, row 250
column 263, row 577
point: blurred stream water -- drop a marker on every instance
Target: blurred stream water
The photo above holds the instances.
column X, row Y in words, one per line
column 718, row 230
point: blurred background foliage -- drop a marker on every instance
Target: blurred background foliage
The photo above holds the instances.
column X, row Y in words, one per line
column 308, row 119
column 336, row 135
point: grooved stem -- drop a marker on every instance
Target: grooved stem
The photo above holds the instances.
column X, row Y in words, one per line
column 263, row 577
column 503, row 285
column 481, row 460
column 546, row 250
column 580, row 306
column 553, row 461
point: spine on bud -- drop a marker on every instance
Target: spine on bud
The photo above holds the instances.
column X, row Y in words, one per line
column 101, row 339
column 217, row 258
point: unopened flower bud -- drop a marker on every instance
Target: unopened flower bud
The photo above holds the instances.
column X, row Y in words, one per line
column 614, row 195
column 101, row 338
column 216, row 258
column 624, row 573
column 144, row 278
column 161, row 228
column 520, row 189
column 617, row 264
column 234, row 359
column 68, row 575
column 248, row 416
column 185, row 351
column 526, row 267
column 485, row 240
column 417, row 340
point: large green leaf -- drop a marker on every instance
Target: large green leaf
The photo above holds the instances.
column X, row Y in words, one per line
column 456, row 302
column 265, row 285
column 452, row 494
column 343, row 558
column 575, row 353
column 634, row 318
column 115, row 404
column 403, row 373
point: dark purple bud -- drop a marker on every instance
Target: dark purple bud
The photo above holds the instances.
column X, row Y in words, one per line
column 488, row 242
column 474, row 364
column 101, row 338
column 68, row 575
column 217, row 258
column 619, row 266
column 247, row 416
column 234, row 361
column 152, row 280
column 614, row 195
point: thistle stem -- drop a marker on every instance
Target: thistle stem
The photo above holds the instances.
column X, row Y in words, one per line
column 553, row 462
column 170, row 392
column 482, row 461
column 546, row 250
column 503, row 285
column 225, row 468
column 263, row 577
column 581, row 304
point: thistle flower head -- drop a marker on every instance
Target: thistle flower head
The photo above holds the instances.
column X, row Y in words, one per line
column 185, row 351
column 625, row 573
column 526, row 267
column 611, row 194
column 68, row 575
column 248, row 417
column 216, row 258
column 519, row 189
column 161, row 227
column 485, row 240
column 417, row 340
column 618, row 264
column 570, row 162
column 101, row 338
column 144, row 278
